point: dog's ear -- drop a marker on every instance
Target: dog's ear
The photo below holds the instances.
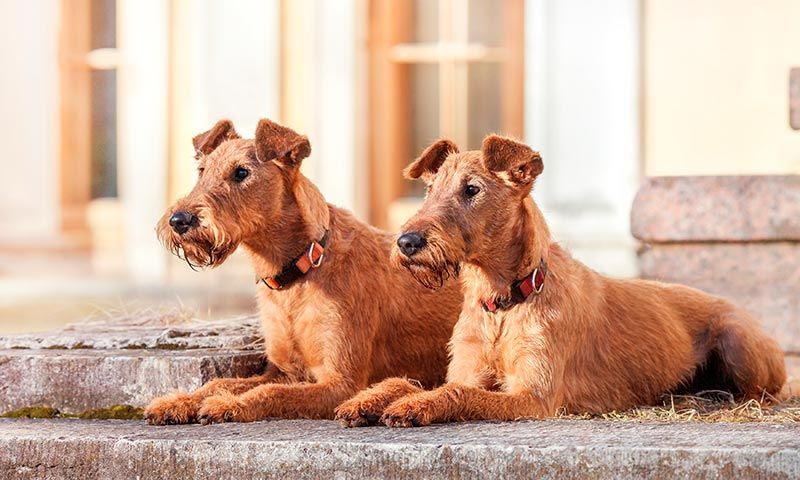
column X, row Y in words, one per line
column 514, row 162
column 208, row 141
column 281, row 144
column 428, row 163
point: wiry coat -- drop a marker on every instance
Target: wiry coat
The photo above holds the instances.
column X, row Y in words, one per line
column 355, row 320
column 586, row 343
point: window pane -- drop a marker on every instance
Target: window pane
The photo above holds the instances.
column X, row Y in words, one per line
column 104, row 103
column 426, row 21
column 104, row 24
column 424, row 113
column 485, row 107
column 104, row 133
column 486, row 22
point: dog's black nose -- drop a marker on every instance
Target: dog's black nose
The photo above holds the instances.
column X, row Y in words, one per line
column 411, row 243
column 181, row 222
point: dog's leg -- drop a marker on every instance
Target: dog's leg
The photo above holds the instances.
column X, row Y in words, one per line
column 182, row 407
column 297, row 400
column 454, row 402
column 753, row 360
column 368, row 405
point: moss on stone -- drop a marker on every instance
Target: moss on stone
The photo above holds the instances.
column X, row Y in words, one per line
column 32, row 412
column 117, row 412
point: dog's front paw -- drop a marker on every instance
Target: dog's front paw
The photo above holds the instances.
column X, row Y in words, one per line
column 173, row 409
column 360, row 412
column 223, row 407
column 407, row 412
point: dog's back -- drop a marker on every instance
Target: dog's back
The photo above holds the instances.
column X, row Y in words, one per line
column 639, row 339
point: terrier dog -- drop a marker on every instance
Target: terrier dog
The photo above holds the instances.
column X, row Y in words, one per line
column 336, row 314
column 540, row 333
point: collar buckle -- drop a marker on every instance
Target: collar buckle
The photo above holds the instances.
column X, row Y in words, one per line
column 310, row 254
column 537, row 280
column 532, row 284
column 299, row 266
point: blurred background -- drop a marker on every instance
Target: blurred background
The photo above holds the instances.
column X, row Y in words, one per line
column 100, row 99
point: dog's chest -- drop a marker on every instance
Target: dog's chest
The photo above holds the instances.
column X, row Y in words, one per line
column 293, row 336
column 511, row 345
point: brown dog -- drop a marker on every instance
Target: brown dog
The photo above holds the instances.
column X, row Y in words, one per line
column 540, row 332
column 336, row 314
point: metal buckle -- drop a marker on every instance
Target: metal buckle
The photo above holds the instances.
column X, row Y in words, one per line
column 311, row 256
column 533, row 281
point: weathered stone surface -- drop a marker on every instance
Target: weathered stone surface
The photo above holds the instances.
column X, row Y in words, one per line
column 793, row 373
column 77, row 380
column 89, row 366
column 237, row 333
column 764, row 278
column 725, row 209
column 318, row 449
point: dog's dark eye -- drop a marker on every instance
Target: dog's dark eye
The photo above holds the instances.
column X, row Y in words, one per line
column 471, row 190
column 240, row 174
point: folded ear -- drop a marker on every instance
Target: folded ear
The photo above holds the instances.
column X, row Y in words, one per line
column 208, row 141
column 514, row 162
column 427, row 164
column 281, row 144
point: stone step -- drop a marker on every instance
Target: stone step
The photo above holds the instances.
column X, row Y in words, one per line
column 93, row 366
column 304, row 449
column 746, row 208
column 78, row 380
column 734, row 236
column 763, row 278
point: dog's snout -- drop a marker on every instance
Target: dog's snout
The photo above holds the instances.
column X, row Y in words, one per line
column 181, row 222
column 411, row 243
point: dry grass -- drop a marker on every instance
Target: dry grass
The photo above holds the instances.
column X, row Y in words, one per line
column 712, row 406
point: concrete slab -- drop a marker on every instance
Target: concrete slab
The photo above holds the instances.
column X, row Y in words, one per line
column 305, row 449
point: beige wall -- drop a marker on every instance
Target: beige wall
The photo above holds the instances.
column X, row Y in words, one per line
column 716, row 86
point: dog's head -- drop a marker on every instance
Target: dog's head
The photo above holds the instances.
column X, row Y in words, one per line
column 472, row 198
column 241, row 191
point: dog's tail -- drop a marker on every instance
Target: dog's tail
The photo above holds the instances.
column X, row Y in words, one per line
column 748, row 358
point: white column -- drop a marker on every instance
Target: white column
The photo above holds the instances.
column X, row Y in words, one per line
column 582, row 113
column 226, row 64
column 339, row 167
column 29, row 126
column 143, row 41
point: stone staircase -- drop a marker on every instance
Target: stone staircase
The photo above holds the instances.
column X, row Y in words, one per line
column 95, row 366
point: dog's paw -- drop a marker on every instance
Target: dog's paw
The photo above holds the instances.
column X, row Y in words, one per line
column 172, row 409
column 407, row 413
column 359, row 413
column 223, row 407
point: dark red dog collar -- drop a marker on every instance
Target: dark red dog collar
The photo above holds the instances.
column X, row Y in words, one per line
column 520, row 290
column 299, row 266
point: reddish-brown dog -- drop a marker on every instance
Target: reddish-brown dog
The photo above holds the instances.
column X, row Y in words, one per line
column 540, row 332
column 336, row 314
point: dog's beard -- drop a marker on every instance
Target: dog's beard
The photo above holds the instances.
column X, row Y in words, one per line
column 431, row 268
column 200, row 248
column 433, row 277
